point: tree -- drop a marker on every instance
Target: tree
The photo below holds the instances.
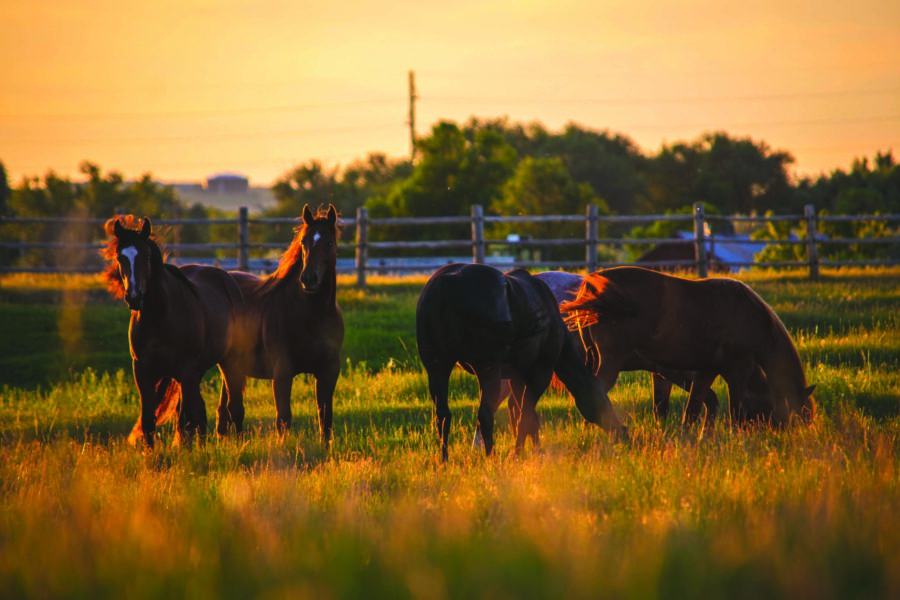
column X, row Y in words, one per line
column 543, row 186
column 738, row 176
column 452, row 174
column 611, row 164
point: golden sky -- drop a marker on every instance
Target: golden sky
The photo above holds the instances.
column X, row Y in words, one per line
column 183, row 89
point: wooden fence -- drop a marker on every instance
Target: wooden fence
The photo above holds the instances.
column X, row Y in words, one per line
column 473, row 248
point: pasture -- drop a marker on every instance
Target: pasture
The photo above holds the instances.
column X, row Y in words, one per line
column 809, row 512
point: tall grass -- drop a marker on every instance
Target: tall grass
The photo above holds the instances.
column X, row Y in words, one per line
column 809, row 512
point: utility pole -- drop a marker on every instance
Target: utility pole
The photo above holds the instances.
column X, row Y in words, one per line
column 412, row 116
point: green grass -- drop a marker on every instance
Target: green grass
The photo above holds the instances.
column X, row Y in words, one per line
column 809, row 512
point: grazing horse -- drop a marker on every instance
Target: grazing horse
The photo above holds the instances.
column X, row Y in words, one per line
column 181, row 325
column 498, row 326
column 291, row 324
column 564, row 286
column 710, row 326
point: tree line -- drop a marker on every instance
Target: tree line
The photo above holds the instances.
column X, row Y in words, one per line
column 508, row 168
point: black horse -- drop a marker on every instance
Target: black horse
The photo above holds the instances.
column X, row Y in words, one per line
column 501, row 326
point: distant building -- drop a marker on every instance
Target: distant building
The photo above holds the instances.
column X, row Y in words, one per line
column 227, row 183
column 225, row 191
column 723, row 253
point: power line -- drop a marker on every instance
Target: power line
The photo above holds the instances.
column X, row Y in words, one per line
column 210, row 136
column 204, row 112
column 662, row 100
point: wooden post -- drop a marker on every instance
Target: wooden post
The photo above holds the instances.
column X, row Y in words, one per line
column 700, row 240
column 362, row 238
column 412, row 117
column 812, row 252
column 243, row 239
column 590, row 259
column 477, row 234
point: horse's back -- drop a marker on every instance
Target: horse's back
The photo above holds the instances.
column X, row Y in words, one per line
column 678, row 318
column 222, row 302
column 562, row 284
column 474, row 313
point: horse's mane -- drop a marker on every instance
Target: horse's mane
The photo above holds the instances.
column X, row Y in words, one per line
column 110, row 252
column 291, row 262
column 597, row 295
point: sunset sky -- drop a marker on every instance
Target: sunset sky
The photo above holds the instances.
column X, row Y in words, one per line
column 183, row 89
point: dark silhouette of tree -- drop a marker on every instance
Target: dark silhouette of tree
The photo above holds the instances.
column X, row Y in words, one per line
column 543, row 186
column 738, row 176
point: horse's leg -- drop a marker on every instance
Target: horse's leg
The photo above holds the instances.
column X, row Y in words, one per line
column 231, row 401
column 662, row 391
column 529, row 425
column 147, row 386
column 223, row 417
column 193, row 410
column 738, row 378
column 439, row 390
column 281, row 390
column 517, row 392
column 684, row 380
column 699, row 390
column 325, row 384
column 489, row 382
column 505, row 391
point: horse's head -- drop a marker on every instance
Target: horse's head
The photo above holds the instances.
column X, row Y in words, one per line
column 319, row 247
column 133, row 254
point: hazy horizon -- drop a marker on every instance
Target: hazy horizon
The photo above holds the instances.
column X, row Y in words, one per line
column 184, row 90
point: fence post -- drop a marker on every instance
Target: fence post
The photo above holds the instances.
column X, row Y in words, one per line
column 593, row 216
column 812, row 252
column 700, row 240
column 362, row 250
column 477, row 233
column 243, row 239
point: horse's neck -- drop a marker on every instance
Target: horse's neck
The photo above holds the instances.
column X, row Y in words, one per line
column 326, row 296
column 163, row 292
column 782, row 366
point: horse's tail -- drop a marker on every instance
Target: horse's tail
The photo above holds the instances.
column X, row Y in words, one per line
column 169, row 394
column 598, row 296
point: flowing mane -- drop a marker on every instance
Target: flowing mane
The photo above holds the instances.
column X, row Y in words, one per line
column 291, row 262
column 110, row 251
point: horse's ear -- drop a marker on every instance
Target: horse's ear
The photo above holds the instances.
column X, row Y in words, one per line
column 118, row 230
column 332, row 215
column 307, row 215
column 145, row 228
column 808, row 391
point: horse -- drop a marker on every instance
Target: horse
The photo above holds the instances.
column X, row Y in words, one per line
column 181, row 326
column 498, row 326
column 291, row 324
column 712, row 327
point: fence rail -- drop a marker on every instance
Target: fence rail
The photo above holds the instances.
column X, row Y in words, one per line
column 473, row 248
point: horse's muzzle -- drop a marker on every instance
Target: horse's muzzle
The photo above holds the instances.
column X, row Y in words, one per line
column 310, row 281
column 134, row 301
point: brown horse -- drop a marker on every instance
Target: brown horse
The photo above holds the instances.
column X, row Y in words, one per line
column 181, row 325
column 711, row 326
column 291, row 324
column 500, row 326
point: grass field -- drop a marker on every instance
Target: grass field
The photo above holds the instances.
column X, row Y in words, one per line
column 810, row 512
